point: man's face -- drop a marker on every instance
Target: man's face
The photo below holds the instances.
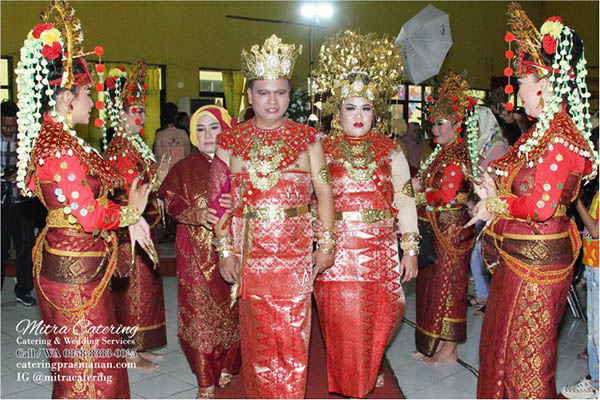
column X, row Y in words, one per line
column 9, row 126
column 270, row 99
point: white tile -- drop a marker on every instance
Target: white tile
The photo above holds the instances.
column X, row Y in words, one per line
column 186, row 375
column 136, row 375
column 188, row 394
column 460, row 386
column 159, row 387
column 39, row 392
column 416, row 376
column 12, row 384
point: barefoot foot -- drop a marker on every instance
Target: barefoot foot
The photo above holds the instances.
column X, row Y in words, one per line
column 148, row 355
column 225, row 379
column 206, row 393
column 380, row 381
column 143, row 364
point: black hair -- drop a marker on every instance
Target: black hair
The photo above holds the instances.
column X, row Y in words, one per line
column 9, row 109
column 56, row 71
column 251, row 84
column 167, row 114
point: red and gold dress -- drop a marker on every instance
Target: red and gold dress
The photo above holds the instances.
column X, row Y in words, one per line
column 208, row 329
column 360, row 298
column 532, row 248
column 442, row 287
column 74, row 259
column 273, row 237
column 139, row 296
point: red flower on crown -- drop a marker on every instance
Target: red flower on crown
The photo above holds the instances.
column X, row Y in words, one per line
column 52, row 52
column 39, row 28
column 110, row 82
column 555, row 19
column 549, row 44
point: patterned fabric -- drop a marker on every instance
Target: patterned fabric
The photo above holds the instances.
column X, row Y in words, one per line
column 360, row 298
column 532, row 251
column 275, row 288
column 442, row 287
column 72, row 266
column 8, row 160
column 590, row 245
column 93, row 379
column 140, row 294
column 208, row 329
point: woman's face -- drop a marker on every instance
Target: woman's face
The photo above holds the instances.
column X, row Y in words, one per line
column 136, row 119
column 207, row 129
column 531, row 89
column 81, row 106
column 443, row 131
column 356, row 116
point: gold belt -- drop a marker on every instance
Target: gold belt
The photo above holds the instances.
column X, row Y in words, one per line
column 58, row 219
column 366, row 216
column 270, row 214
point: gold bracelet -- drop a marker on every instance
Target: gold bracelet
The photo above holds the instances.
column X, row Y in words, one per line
column 128, row 215
column 223, row 246
column 327, row 237
column 495, row 205
column 420, row 199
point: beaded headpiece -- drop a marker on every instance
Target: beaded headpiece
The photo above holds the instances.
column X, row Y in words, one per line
column 275, row 60
column 356, row 65
column 125, row 89
column 556, row 40
column 452, row 102
column 58, row 36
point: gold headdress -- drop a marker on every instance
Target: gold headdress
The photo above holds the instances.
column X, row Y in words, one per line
column 275, row 60
column 134, row 91
column 61, row 16
column 451, row 101
column 527, row 37
column 356, row 65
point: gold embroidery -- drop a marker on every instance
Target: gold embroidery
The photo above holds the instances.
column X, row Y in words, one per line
column 495, row 205
column 128, row 215
column 407, row 189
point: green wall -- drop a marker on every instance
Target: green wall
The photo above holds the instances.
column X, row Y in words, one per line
column 186, row 35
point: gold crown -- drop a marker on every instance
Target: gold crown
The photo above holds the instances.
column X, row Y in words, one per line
column 356, row 65
column 452, row 100
column 134, row 91
column 275, row 60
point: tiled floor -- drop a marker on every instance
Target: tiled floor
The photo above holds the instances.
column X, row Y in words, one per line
column 175, row 380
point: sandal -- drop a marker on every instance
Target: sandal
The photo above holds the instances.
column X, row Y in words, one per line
column 480, row 312
column 206, row 393
column 225, row 379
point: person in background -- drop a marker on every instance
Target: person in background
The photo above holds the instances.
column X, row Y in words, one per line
column 139, row 293
column 414, row 142
column 208, row 328
column 442, row 188
column 182, row 121
column 491, row 145
column 171, row 139
column 18, row 213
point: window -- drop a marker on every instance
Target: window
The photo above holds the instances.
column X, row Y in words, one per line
column 409, row 101
column 211, row 89
column 5, row 78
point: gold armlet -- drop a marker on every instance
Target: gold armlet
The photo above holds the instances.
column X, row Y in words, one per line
column 495, row 205
column 128, row 215
column 407, row 189
column 323, row 175
column 420, row 199
column 223, row 246
column 410, row 243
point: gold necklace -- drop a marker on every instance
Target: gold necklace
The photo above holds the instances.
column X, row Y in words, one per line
column 265, row 162
column 358, row 159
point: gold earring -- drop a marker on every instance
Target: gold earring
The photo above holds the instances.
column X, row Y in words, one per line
column 336, row 124
column 69, row 119
column 541, row 103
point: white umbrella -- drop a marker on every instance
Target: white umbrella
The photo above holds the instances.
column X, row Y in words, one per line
column 425, row 40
